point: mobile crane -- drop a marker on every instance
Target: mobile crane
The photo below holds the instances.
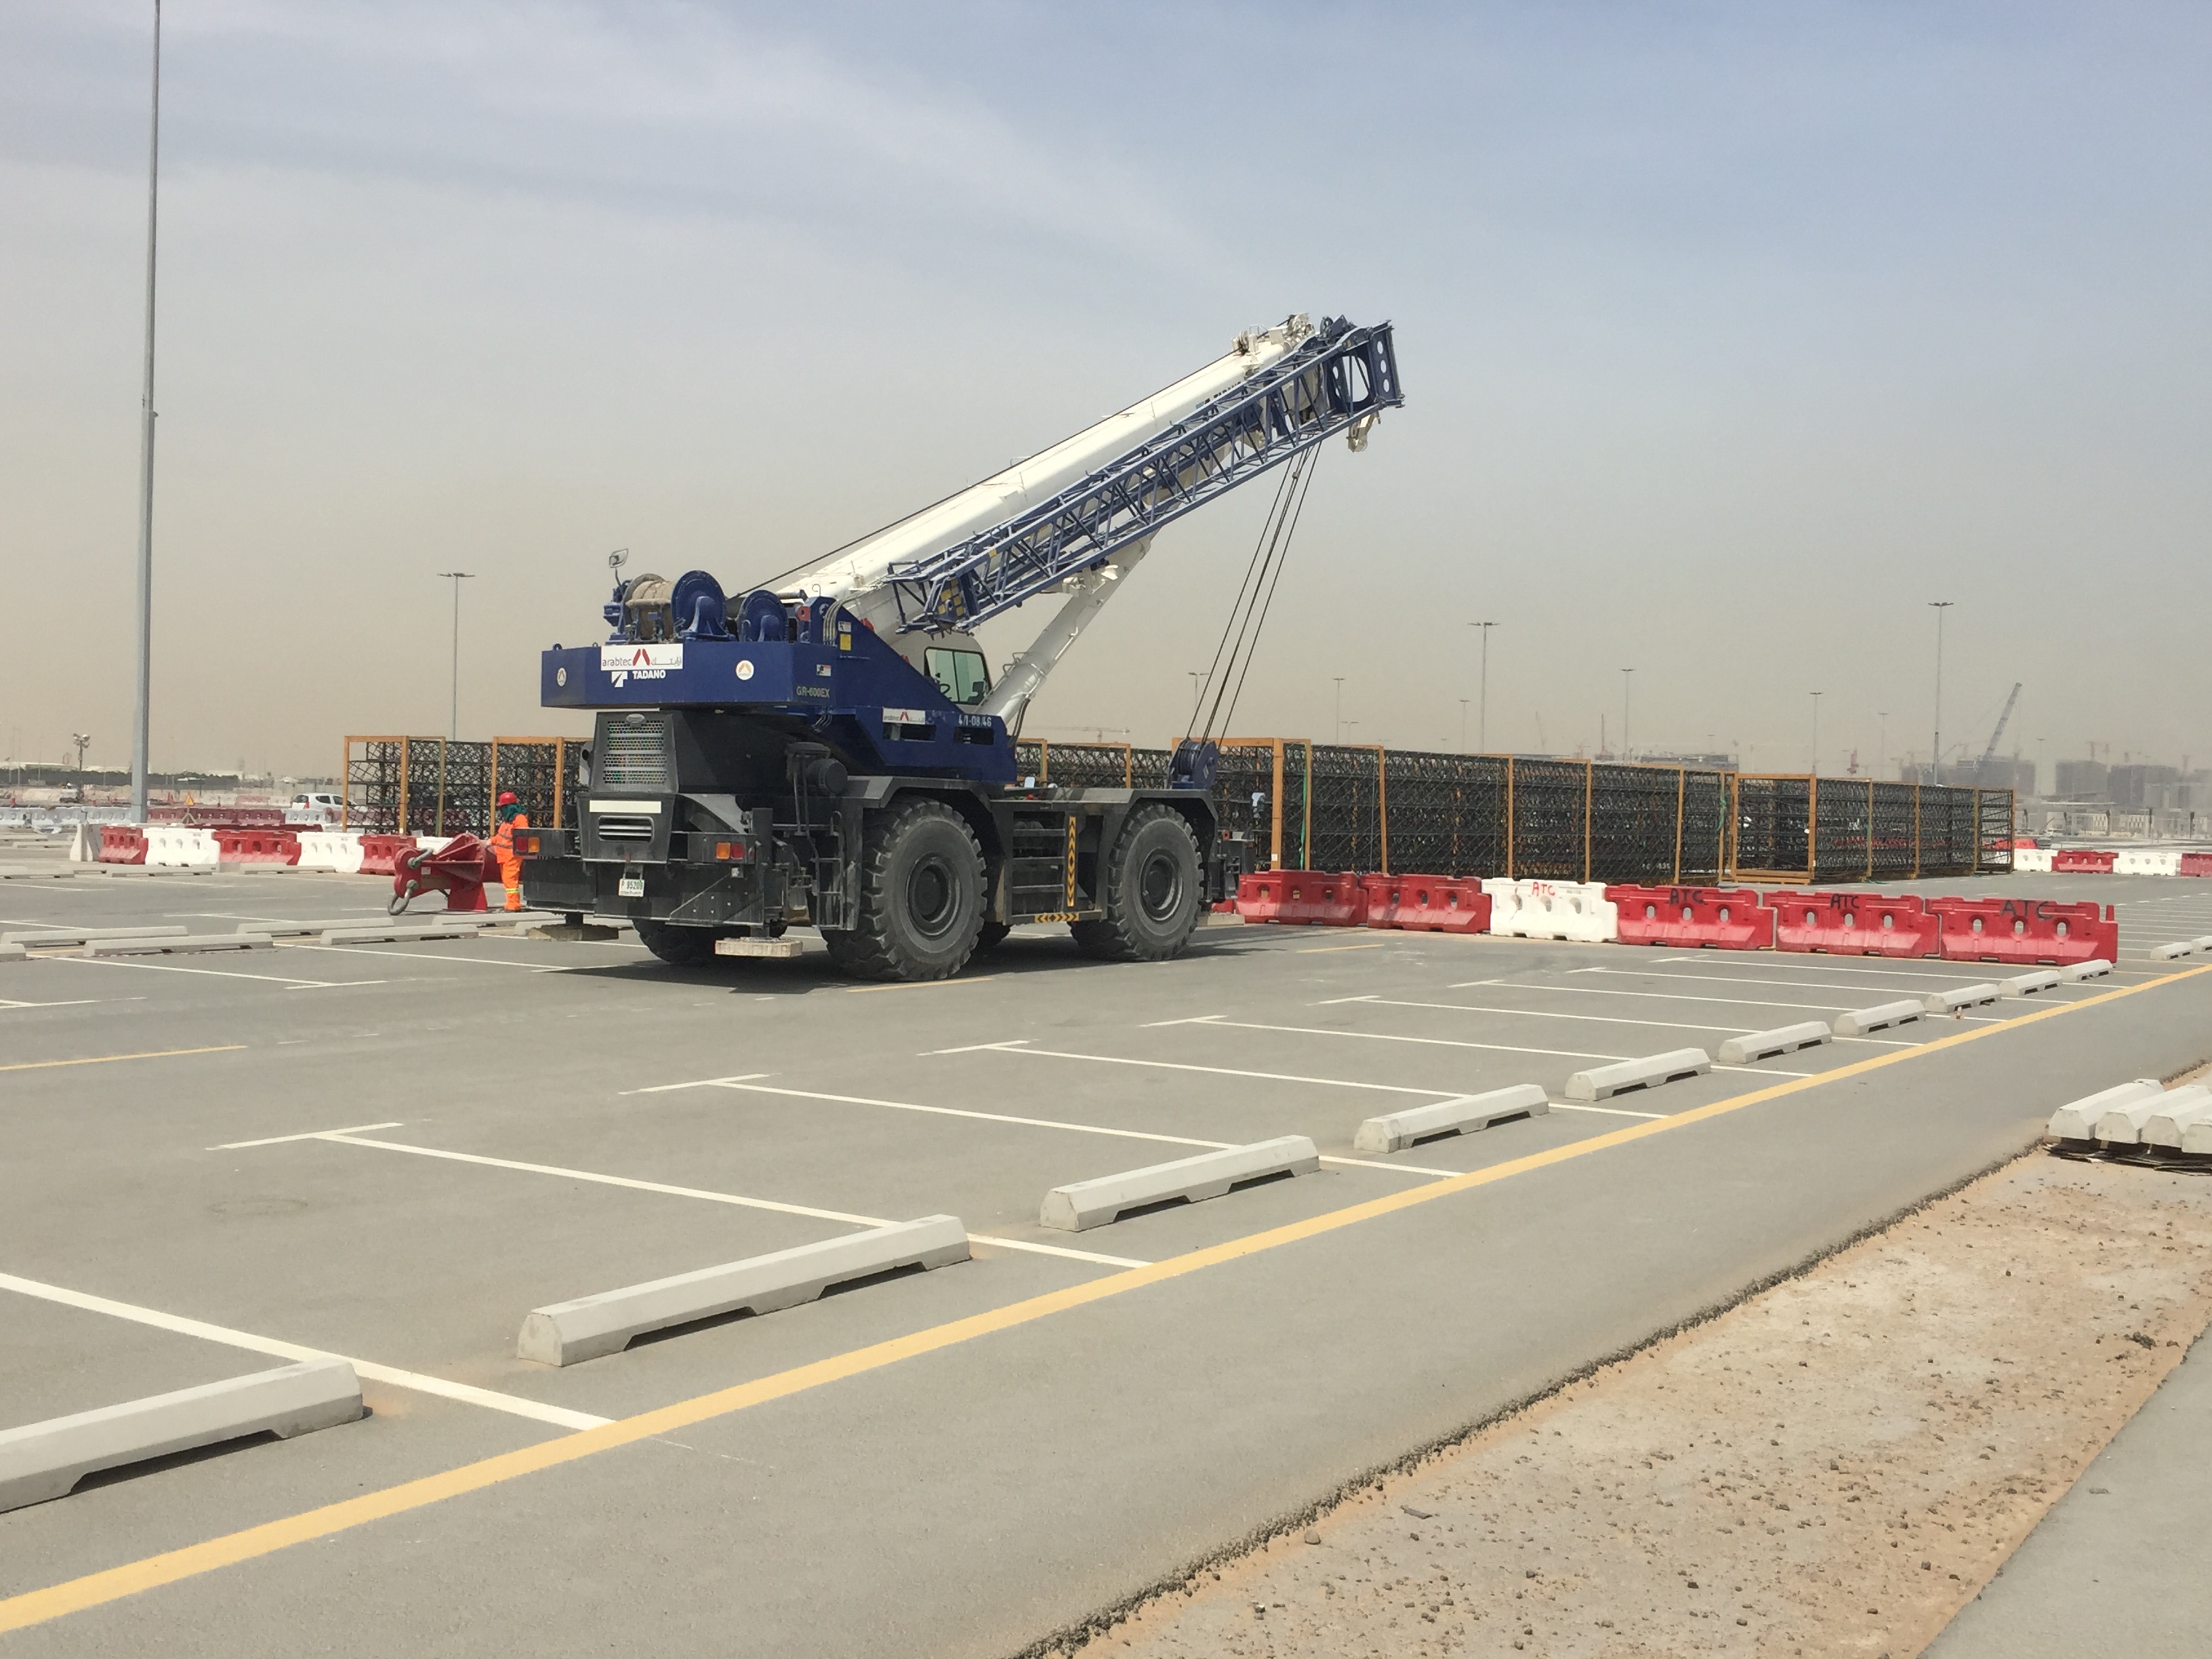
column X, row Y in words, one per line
column 834, row 750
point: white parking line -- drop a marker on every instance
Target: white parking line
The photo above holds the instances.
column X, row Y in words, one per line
column 310, row 1134
column 1018, row 1046
column 1222, row 1020
column 560, row 1416
column 1816, row 962
column 442, row 955
column 1610, row 1111
column 1223, row 1070
column 345, row 1139
column 955, row 1111
column 287, row 981
column 698, row 1083
column 1966, row 976
column 78, row 1002
column 1541, row 1013
column 1843, row 1007
column 1454, row 1042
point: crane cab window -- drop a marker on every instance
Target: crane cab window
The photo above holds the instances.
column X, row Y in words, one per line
column 960, row 674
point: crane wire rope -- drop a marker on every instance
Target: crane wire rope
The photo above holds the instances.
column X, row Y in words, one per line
column 1298, row 486
column 1245, row 592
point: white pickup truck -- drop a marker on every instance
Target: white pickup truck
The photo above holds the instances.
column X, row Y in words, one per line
column 323, row 811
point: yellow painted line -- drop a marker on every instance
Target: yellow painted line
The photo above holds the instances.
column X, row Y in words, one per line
column 103, row 1060
column 1324, row 949
column 921, row 984
column 36, row 1606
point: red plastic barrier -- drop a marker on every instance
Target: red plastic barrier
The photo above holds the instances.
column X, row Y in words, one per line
column 1856, row 924
column 121, row 843
column 2197, row 864
column 1429, row 904
column 2025, row 931
column 2083, row 860
column 1305, row 897
column 1718, row 918
column 459, row 870
column 380, row 854
column 256, row 847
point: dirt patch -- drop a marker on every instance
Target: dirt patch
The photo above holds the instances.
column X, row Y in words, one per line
column 1831, row 1468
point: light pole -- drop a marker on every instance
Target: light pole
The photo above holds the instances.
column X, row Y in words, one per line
column 1935, row 753
column 1340, row 710
column 1816, row 734
column 1625, row 683
column 141, row 718
column 1198, row 679
column 1462, row 725
column 458, row 577
column 1482, row 724
column 82, row 741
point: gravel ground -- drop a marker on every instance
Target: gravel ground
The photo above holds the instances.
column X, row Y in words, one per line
column 1833, row 1466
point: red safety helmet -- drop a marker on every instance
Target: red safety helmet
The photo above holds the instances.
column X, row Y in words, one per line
column 508, row 797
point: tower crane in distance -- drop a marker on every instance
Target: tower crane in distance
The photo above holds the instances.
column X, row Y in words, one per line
column 836, row 750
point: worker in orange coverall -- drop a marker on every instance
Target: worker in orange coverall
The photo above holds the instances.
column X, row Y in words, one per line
column 511, row 818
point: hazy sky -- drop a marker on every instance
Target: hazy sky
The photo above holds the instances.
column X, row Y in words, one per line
column 1731, row 335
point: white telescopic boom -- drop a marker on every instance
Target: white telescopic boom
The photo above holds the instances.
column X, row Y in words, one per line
column 856, row 576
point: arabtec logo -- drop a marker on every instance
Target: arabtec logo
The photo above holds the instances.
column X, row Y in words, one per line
column 625, row 663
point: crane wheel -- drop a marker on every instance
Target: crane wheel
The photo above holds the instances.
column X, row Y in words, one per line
column 1153, row 891
column 921, row 897
column 678, row 946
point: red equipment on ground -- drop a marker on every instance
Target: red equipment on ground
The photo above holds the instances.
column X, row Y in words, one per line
column 2082, row 860
column 2197, row 864
column 256, row 846
column 1432, row 904
column 2026, row 931
column 379, row 855
column 459, row 870
column 1716, row 918
column 1856, row 924
column 1307, row 897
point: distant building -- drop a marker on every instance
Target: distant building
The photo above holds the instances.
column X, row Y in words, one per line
column 2139, row 787
column 2083, row 780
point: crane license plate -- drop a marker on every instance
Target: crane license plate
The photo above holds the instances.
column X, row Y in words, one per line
column 630, row 887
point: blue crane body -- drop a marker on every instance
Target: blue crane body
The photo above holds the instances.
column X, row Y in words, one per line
column 836, row 751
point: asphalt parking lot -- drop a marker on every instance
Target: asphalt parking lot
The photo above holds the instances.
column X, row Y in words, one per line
column 392, row 1152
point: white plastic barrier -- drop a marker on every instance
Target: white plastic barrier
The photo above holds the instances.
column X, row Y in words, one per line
column 176, row 844
column 1553, row 909
column 2147, row 861
column 322, row 849
column 1505, row 895
column 2031, row 860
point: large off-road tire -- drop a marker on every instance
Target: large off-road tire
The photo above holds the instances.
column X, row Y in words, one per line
column 1154, row 894
column 921, row 897
column 678, row 946
column 990, row 936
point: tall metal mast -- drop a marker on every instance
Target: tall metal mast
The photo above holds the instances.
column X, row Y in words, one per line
column 141, row 719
